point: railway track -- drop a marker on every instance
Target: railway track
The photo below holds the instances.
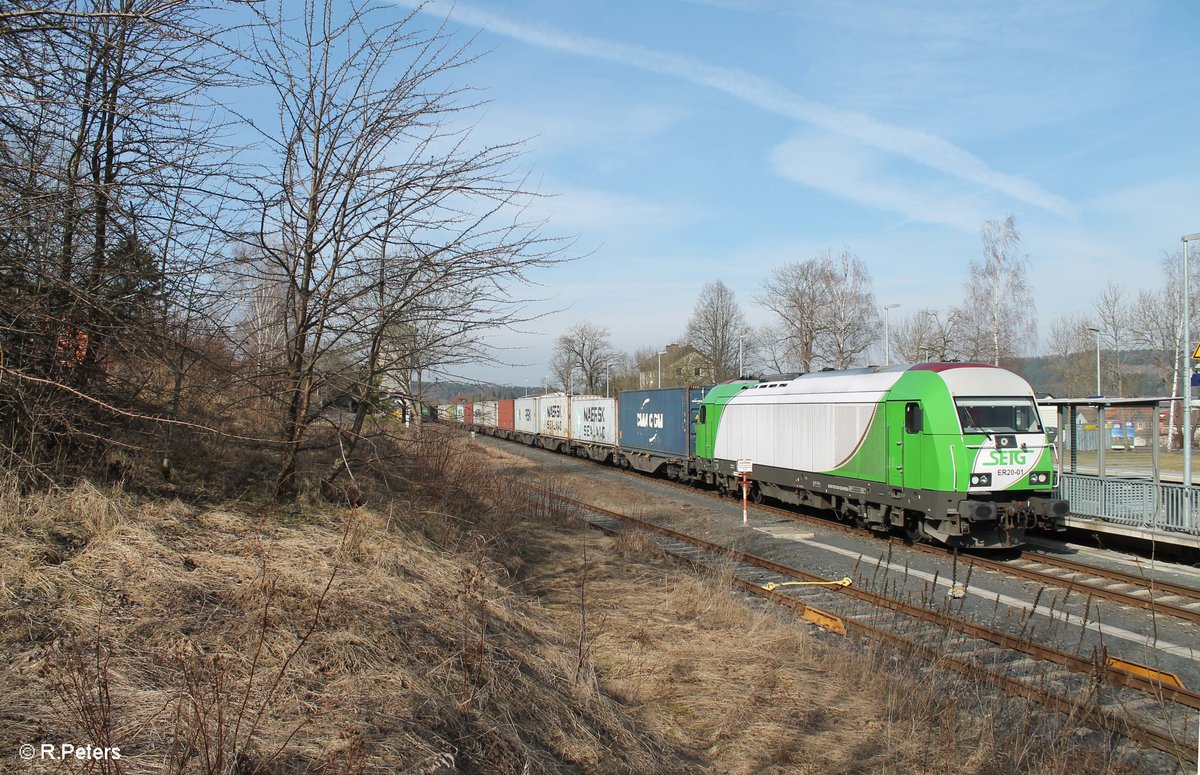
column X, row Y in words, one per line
column 1158, row 597
column 1141, row 708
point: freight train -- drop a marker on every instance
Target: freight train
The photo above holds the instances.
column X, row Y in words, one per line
column 952, row 453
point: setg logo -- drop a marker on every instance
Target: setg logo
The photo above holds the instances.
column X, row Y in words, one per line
column 1007, row 457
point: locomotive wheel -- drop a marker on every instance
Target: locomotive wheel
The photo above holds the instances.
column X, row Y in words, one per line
column 756, row 494
column 912, row 528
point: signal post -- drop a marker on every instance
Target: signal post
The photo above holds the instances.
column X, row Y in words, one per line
column 745, row 467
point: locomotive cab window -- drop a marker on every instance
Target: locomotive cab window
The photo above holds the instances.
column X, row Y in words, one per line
column 703, row 412
column 998, row 415
column 914, row 418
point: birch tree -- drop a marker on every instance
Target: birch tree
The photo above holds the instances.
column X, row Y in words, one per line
column 997, row 319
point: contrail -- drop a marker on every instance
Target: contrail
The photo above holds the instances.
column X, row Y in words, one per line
column 919, row 146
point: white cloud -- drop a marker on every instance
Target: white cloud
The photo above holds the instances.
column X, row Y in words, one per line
column 578, row 209
column 919, row 146
column 847, row 171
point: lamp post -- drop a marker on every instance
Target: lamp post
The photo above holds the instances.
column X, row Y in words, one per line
column 1096, row 331
column 1187, row 342
column 660, row 355
column 741, row 366
column 887, row 335
column 607, row 380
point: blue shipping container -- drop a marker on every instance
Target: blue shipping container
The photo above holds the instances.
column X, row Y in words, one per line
column 661, row 420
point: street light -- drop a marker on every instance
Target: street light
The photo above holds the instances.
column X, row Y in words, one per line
column 660, row 355
column 1187, row 342
column 741, row 368
column 607, row 380
column 887, row 335
column 1096, row 331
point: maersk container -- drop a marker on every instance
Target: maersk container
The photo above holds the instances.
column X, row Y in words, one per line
column 485, row 414
column 554, row 413
column 505, row 414
column 660, row 421
column 526, row 410
column 594, row 420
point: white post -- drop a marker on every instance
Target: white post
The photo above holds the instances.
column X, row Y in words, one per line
column 1096, row 331
column 659, row 383
column 741, row 367
column 1187, row 372
column 887, row 335
column 745, row 499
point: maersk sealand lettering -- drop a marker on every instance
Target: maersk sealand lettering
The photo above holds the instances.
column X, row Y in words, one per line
column 649, row 419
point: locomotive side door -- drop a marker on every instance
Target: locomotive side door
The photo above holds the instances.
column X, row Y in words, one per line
column 895, row 450
column 905, row 423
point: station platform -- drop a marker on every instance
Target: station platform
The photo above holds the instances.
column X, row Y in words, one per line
column 1102, row 532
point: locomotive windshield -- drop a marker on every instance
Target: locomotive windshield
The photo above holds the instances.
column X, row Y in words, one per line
column 998, row 415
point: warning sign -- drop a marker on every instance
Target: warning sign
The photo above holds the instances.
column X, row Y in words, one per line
column 1196, row 353
column 745, row 466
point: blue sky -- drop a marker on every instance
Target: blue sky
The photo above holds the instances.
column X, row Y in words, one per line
column 687, row 141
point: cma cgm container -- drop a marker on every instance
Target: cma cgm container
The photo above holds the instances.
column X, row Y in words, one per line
column 505, row 414
column 657, row 426
column 594, row 420
column 554, row 414
column 526, row 420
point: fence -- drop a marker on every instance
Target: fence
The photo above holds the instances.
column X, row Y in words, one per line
column 1166, row 506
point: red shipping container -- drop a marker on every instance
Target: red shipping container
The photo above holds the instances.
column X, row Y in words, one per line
column 468, row 412
column 505, row 410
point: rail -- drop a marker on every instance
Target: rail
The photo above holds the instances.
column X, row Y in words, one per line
column 1115, row 718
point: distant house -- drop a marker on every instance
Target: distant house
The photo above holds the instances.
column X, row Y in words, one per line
column 681, row 365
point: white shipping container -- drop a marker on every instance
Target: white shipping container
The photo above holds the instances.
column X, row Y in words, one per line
column 526, row 415
column 485, row 414
column 553, row 414
column 594, row 420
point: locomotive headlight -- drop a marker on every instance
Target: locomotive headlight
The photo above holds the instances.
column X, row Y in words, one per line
column 1039, row 478
column 981, row 480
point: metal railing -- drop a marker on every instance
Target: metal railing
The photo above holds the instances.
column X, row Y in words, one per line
column 1166, row 506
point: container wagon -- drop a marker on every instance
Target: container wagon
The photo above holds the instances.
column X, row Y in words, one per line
column 593, row 427
column 656, row 427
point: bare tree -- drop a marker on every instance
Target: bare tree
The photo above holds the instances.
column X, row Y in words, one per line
column 1072, row 362
column 997, row 319
column 926, row 335
column 1156, row 325
column 825, row 307
column 770, row 353
column 796, row 293
column 103, row 174
column 1113, row 318
column 850, row 321
column 374, row 206
column 581, row 355
column 718, row 329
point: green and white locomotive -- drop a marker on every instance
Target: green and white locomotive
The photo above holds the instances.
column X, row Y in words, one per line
column 952, row 452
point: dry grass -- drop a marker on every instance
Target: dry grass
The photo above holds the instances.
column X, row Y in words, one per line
column 455, row 625
column 218, row 640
